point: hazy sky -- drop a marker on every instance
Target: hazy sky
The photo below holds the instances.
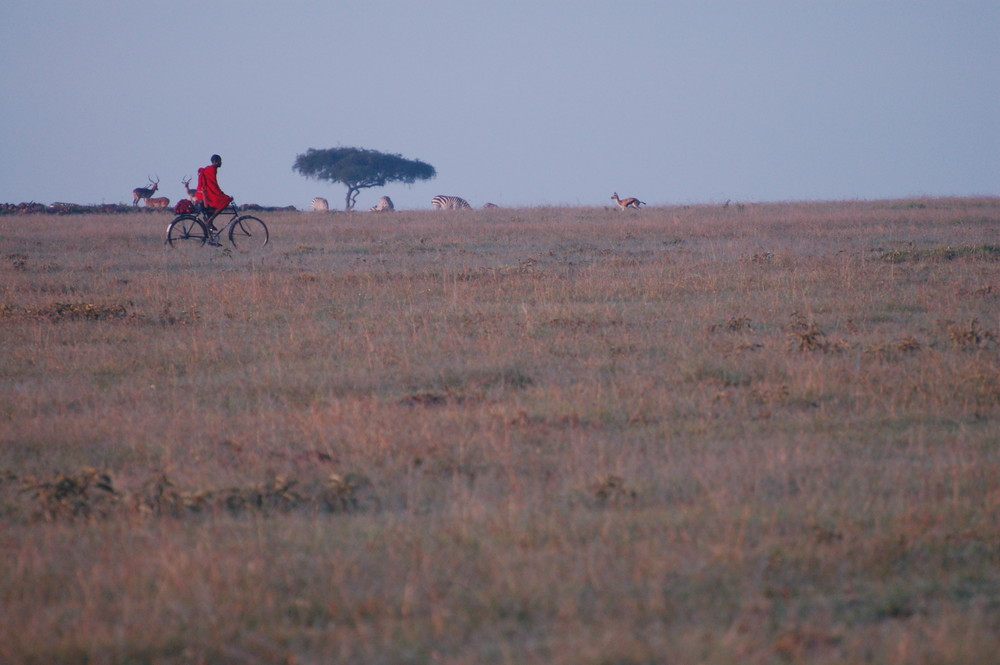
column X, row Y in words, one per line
column 518, row 103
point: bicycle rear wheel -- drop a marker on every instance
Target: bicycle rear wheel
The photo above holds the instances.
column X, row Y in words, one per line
column 248, row 234
column 186, row 231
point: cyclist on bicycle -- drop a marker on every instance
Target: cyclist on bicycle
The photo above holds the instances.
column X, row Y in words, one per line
column 212, row 198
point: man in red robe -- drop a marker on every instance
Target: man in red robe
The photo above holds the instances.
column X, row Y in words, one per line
column 209, row 192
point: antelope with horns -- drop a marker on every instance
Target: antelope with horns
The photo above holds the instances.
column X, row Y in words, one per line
column 192, row 194
column 140, row 193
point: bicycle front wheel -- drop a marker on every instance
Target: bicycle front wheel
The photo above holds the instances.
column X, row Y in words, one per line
column 248, row 234
column 186, row 231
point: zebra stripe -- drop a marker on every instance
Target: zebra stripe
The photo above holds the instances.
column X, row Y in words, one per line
column 319, row 204
column 450, row 203
column 384, row 205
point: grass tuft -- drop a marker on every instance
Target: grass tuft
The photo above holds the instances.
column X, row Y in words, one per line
column 556, row 435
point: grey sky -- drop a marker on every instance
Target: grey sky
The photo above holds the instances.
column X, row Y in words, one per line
column 518, row 103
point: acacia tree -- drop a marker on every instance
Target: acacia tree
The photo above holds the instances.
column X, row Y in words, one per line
column 358, row 168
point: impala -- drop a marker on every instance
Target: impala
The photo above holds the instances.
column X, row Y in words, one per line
column 140, row 193
column 192, row 194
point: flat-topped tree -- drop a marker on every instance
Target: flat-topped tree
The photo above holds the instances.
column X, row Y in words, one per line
column 358, row 168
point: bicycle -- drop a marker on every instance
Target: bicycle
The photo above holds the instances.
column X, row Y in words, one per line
column 246, row 233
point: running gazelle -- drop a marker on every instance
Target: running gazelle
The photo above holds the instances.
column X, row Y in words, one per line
column 630, row 202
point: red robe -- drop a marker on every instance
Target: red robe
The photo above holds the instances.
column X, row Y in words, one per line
column 208, row 189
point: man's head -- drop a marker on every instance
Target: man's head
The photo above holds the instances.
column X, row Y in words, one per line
column 216, row 161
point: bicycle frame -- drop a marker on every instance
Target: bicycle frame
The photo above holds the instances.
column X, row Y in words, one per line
column 209, row 218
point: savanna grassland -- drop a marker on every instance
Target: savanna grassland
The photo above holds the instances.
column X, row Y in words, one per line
column 745, row 434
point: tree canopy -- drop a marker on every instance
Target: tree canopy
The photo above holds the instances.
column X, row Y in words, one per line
column 359, row 168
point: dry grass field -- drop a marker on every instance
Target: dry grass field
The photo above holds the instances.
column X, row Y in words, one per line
column 562, row 436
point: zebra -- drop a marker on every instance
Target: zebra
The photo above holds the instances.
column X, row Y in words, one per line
column 320, row 204
column 450, row 203
column 630, row 202
column 384, row 205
